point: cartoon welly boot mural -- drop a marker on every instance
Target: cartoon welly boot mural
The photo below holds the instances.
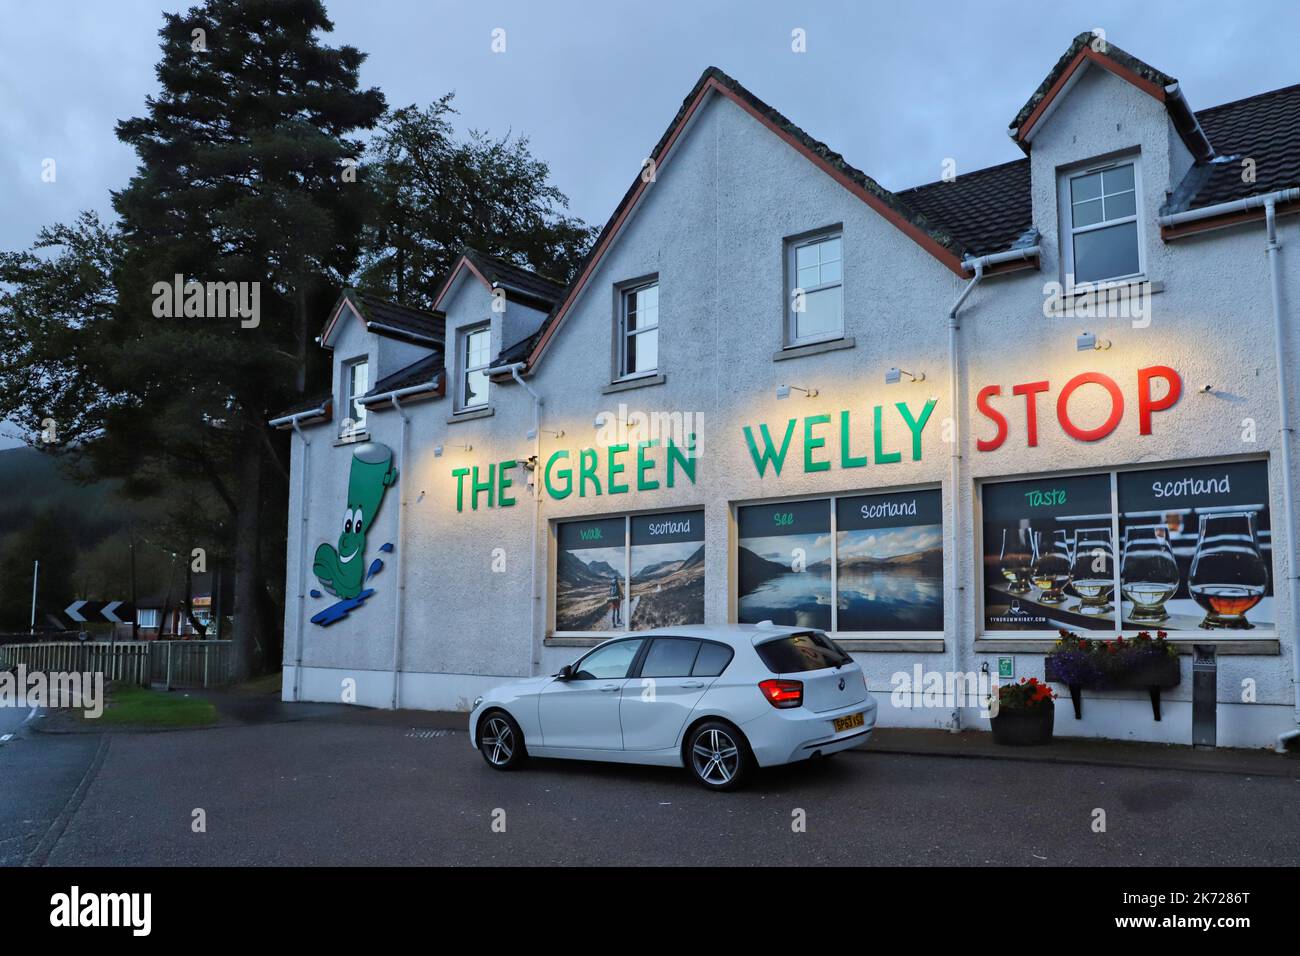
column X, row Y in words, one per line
column 342, row 571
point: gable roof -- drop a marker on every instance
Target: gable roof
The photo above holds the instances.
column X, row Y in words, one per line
column 429, row 369
column 402, row 322
column 523, row 285
column 1091, row 49
column 1265, row 128
column 947, row 249
column 987, row 210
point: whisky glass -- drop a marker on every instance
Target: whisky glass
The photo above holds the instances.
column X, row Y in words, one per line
column 1015, row 561
column 1148, row 574
column 1092, row 575
column 1051, row 567
column 1229, row 576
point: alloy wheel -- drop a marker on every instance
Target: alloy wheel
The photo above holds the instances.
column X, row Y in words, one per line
column 498, row 741
column 715, row 756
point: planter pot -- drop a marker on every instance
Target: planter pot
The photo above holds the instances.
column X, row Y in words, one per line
column 1024, row 728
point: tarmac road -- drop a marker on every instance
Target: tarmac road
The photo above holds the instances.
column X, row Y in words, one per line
column 374, row 791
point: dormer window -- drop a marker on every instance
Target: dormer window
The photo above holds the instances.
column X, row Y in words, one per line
column 356, row 382
column 1101, row 234
column 475, row 355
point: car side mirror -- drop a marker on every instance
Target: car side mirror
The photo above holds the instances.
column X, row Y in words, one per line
column 566, row 672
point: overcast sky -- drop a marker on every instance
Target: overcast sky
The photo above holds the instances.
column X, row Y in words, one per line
column 894, row 86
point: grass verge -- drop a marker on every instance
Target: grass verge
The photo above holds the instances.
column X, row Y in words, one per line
column 141, row 707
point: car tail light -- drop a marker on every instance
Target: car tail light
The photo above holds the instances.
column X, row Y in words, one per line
column 782, row 693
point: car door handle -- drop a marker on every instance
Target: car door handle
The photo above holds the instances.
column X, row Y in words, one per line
column 610, row 688
column 694, row 685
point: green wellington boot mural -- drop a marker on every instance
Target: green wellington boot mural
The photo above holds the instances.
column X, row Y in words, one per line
column 342, row 571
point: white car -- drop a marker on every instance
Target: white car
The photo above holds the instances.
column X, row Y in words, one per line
column 718, row 699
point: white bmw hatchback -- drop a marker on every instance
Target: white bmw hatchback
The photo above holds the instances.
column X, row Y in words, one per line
column 716, row 699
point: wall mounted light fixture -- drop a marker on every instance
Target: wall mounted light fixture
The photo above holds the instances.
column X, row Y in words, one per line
column 1086, row 342
column 437, row 449
column 783, row 391
column 895, row 375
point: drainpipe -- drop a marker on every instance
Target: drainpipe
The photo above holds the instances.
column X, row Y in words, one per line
column 977, row 265
column 399, row 613
column 293, row 420
column 1269, row 202
column 515, row 368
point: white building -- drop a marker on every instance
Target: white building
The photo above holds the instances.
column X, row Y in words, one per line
column 753, row 404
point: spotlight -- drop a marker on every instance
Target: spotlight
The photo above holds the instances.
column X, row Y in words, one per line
column 783, row 391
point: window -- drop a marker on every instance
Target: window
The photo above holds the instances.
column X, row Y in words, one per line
column 860, row 563
column 147, row 617
column 1188, row 549
column 639, row 330
column 810, row 651
column 475, row 357
column 629, row 573
column 670, row 657
column 815, row 293
column 712, row 660
column 357, row 383
column 1100, row 216
column 610, row 662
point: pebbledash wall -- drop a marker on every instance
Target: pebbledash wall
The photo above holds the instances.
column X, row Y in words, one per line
column 467, row 594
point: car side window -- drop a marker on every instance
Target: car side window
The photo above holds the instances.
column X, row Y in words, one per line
column 670, row 657
column 712, row 660
column 610, row 662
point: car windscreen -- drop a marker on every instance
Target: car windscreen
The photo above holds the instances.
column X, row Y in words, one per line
column 805, row 651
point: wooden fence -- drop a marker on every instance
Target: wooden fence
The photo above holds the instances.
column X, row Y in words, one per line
column 171, row 663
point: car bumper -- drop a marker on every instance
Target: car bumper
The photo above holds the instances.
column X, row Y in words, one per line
column 787, row 736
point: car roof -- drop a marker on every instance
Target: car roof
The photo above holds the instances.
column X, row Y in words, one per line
column 736, row 634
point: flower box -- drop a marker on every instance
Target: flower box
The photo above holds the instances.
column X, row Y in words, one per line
column 1143, row 663
column 1024, row 728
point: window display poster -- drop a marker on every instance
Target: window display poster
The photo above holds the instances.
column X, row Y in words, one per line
column 1196, row 548
column 667, row 570
column 1049, row 558
column 889, row 562
column 591, row 575
column 784, row 564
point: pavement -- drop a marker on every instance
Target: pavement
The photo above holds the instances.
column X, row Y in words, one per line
column 299, row 784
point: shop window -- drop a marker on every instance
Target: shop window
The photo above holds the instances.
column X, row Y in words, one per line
column 639, row 330
column 1187, row 549
column 1100, row 225
column 475, row 355
column 814, row 289
column 147, row 617
column 356, row 382
column 629, row 573
column 863, row 563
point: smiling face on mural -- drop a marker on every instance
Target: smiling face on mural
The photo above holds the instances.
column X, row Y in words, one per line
column 343, row 571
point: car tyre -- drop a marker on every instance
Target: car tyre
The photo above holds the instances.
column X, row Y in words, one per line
column 718, row 755
column 500, row 741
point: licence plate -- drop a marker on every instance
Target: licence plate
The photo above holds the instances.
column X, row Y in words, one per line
column 846, row 723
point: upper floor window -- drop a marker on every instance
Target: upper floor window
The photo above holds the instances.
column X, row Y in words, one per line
column 1101, row 238
column 475, row 357
column 639, row 330
column 356, row 382
column 815, row 293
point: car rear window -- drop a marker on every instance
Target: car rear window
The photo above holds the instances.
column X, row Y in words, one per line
column 712, row 660
column 806, row 651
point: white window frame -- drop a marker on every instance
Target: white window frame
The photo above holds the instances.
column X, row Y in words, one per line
column 464, row 368
column 349, row 397
column 624, row 293
column 1066, row 216
column 154, row 617
column 792, row 246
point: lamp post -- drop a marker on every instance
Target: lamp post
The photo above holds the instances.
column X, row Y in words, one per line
column 36, row 574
